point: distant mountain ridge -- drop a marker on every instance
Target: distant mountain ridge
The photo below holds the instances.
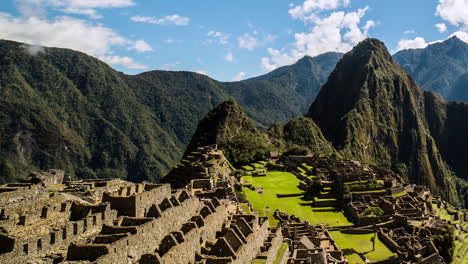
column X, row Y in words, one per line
column 439, row 67
column 67, row 110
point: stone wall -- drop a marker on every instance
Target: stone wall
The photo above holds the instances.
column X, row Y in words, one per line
column 49, row 239
column 147, row 236
column 136, row 201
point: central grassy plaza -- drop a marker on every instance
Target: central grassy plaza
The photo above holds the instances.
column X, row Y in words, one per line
column 265, row 201
column 278, row 182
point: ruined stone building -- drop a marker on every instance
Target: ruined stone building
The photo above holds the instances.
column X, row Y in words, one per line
column 113, row 221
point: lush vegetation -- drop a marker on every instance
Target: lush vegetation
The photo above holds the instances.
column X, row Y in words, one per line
column 232, row 130
column 267, row 202
column 281, row 252
column 362, row 243
column 66, row 110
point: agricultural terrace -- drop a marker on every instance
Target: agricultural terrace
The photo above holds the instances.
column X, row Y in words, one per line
column 264, row 199
column 352, row 244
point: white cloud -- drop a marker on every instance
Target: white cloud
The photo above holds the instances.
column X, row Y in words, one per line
column 141, row 46
column 306, row 10
column 441, row 27
column 33, row 50
column 169, row 40
column 93, row 3
column 92, row 13
column 338, row 32
column 408, row 32
column 203, row 72
column 416, row 43
column 240, row 76
column 29, row 8
column 67, row 32
column 247, row 41
column 229, row 57
column 454, row 11
column 220, row 37
column 124, row 61
column 171, row 19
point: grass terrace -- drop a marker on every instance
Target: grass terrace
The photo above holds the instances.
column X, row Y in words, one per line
column 398, row 194
column 361, row 243
column 281, row 252
column 460, row 253
column 267, row 202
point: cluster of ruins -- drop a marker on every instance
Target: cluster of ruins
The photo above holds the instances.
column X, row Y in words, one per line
column 199, row 219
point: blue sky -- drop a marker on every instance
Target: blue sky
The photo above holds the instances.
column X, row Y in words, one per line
column 227, row 40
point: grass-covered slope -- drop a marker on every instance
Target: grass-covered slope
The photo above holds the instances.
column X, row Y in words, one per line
column 63, row 109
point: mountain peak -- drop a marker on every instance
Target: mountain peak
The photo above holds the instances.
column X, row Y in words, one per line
column 455, row 39
column 370, row 109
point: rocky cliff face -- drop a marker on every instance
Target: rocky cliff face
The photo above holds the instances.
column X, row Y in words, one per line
column 372, row 110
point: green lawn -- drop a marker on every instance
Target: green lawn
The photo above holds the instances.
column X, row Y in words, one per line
column 362, row 243
column 286, row 183
column 398, row 194
column 461, row 249
column 280, row 254
column 307, row 166
column 248, row 168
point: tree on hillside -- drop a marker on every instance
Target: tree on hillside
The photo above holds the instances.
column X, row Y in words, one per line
column 373, row 212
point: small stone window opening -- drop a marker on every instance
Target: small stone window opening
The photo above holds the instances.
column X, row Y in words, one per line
column 63, row 207
column 44, row 212
column 94, row 220
column 64, row 234
column 75, row 229
column 39, row 244
column 52, row 238
column 25, row 249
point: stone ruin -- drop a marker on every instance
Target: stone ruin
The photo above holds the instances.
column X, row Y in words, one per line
column 402, row 204
column 308, row 244
column 113, row 221
column 48, row 177
column 412, row 244
column 206, row 162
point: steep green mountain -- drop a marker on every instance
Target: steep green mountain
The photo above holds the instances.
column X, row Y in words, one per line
column 66, row 110
column 232, row 130
column 371, row 110
column 437, row 67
